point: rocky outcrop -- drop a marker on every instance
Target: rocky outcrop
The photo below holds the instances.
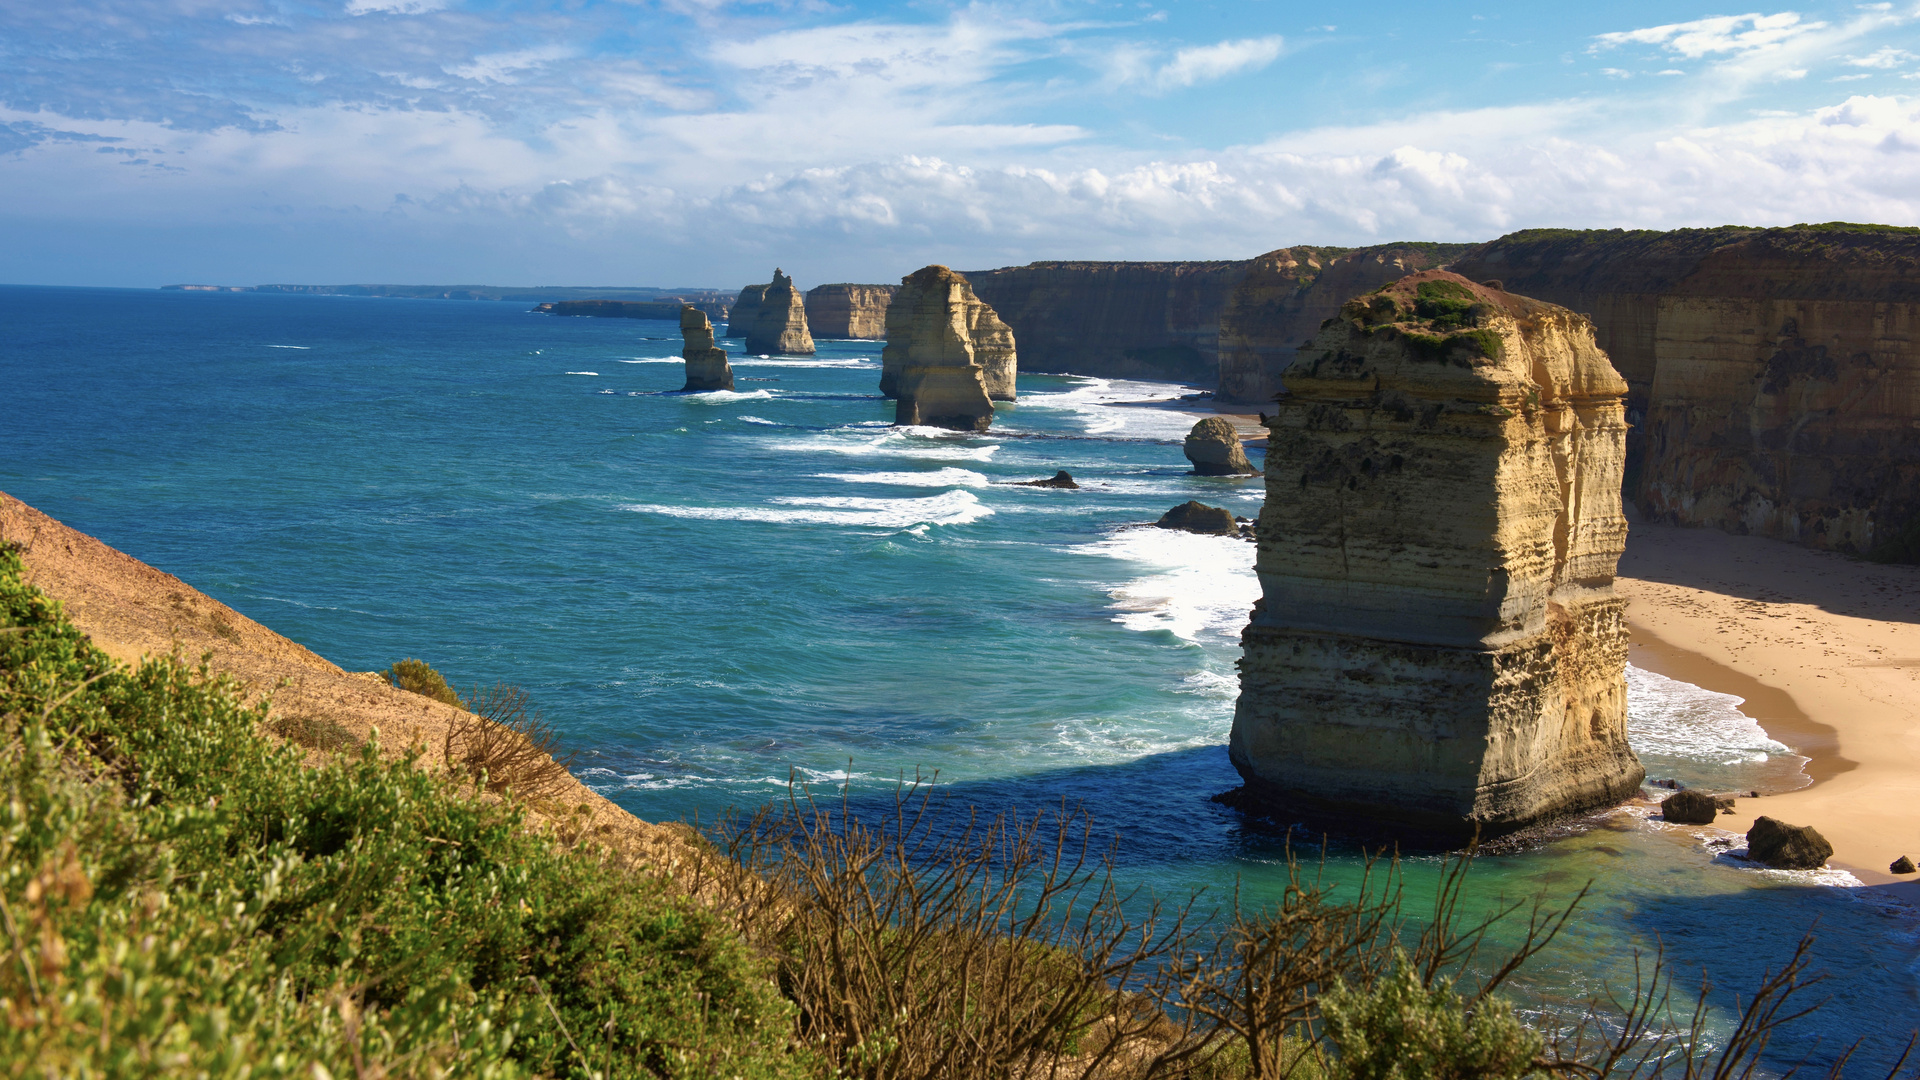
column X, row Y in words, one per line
column 1690, row 807
column 943, row 345
column 1787, row 847
column 1197, row 517
column 849, row 311
column 1284, row 297
column 1438, row 648
column 707, row 367
column 1214, row 448
column 780, row 326
column 1060, row 479
column 745, row 310
column 1902, row 865
column 1775, row 373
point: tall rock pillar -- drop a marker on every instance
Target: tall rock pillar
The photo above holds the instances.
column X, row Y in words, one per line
column 948, row 356
column 707, row 367
column 780, row 326
column 1438, row 648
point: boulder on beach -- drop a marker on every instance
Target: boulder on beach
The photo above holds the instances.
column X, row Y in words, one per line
column 1787, row 847
column 1214, row 448
column 1689, row 807
column 1198, row 517
column 1060, row 479
column 1901, row 865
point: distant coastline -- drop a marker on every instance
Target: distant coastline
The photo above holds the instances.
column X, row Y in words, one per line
column 535, row 294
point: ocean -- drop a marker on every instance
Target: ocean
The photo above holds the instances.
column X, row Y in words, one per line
column 713, row 594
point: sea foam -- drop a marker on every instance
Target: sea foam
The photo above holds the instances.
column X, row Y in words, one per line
column 950, row 508
column 946, row 477
column 1194, row 584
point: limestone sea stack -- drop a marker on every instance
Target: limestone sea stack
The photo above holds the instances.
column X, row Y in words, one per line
column 1439, row 649
column 745, row 310
column 849, row 311
column 948, row 356
column 707, row 367
column 780, row 326
column 1214, row 448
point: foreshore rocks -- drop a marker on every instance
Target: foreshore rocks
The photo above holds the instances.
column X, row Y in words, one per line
column 1213, row 446
column 1197, row 517
column 1284, row 297
column 745, row 310
column 1690, row 807
column 1439, row 650
column 1060, row 479
column 849, row 311
column 1787, row 847
column 707, row 367
column 948, row 356
column 1774, row 373
column 780, row 324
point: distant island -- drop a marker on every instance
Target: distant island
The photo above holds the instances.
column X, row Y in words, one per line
column 525, row 294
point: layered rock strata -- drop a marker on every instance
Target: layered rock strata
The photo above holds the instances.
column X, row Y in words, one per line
column 1775, row 373
column 746, row 309
column 948, row 356
column 780, row 324
column 707, row 367
column 1284, row 297
column 849, row 311
column 1213, row 446
column 1438, row 649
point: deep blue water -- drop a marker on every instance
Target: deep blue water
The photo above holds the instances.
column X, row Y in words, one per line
column 710, row 593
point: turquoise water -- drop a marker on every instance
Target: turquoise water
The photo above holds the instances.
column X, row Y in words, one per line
column 710, row 593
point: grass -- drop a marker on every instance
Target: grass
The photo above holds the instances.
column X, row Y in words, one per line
column 182, row 897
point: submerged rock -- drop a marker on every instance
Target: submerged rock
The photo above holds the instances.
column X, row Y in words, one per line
column 1197, row 517
column 1214, row 448
column 1440, row 650
column 1689, row 808
column 948, row 356
column 1787, row 847
column 1060, row 479
column 707, row 367
column 780, row 325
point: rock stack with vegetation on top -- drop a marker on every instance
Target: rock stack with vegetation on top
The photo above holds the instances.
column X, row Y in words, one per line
column 1439, row 648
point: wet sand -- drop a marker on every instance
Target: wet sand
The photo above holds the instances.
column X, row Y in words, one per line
column 1826, row 651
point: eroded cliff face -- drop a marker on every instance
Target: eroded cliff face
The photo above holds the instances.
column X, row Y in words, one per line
column 745, row 310
column 1775, row 372
column 1141, row 320
column 948, row 356
column 1284, row 297
column 1439, row 647
column 707, row 367
column 780, row 325
column 849, row 311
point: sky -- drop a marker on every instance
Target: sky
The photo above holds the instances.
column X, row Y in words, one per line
column 689, row 143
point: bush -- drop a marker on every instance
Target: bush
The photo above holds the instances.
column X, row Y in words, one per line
column 418, row 677
column 508, row 746
column 1402, row 1029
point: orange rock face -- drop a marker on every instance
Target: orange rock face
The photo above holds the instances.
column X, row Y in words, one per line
column 849, row 311
column 948, row 356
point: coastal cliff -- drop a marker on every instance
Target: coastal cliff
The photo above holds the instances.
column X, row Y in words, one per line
column 1774, row 373
column 849, row 311
column 707, row 367
column 1284, row 297
column 1139, row 320
column 948, row 356
column 1439, row 648
column 746, row 308
column 780, row 325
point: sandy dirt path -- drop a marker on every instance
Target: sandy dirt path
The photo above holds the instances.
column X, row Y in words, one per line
column 1825, row 649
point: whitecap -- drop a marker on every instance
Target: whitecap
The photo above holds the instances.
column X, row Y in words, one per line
column 300, row 347
column 945, row 477
column 1670, row 718
column 758, row 420
column 950, row 508
column 934, row 444
column 595, row 374
column 857, row 363
column 721, row 397
column 1095, row 404
column 1195, row 584
column 656, row 360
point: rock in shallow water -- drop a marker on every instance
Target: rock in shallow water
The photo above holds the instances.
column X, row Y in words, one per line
column 1787, row 847
column 1214, row 448
column 1689, row 808
column 1060, row 479
column 707, row 367
column 1198, row 517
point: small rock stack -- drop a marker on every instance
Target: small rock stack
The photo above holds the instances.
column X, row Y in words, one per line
column 707, row 367
column 1214, row 448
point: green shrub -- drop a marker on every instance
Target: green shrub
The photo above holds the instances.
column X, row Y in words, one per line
column 1404, row 1030
column 182, row 897
column 418, row 677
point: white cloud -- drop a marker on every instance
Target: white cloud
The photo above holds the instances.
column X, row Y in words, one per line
column 1206, row 63
column 1720, row 34
column 1884, row 57
column 1616, row 73
column 394, row 7
column 504, row 67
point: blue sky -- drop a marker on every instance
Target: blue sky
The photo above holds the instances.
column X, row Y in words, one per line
column 700, row 142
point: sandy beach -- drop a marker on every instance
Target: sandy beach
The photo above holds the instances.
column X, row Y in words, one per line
column 1826, row 651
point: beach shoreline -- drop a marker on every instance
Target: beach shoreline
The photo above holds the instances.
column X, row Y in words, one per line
column 1824, row 649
